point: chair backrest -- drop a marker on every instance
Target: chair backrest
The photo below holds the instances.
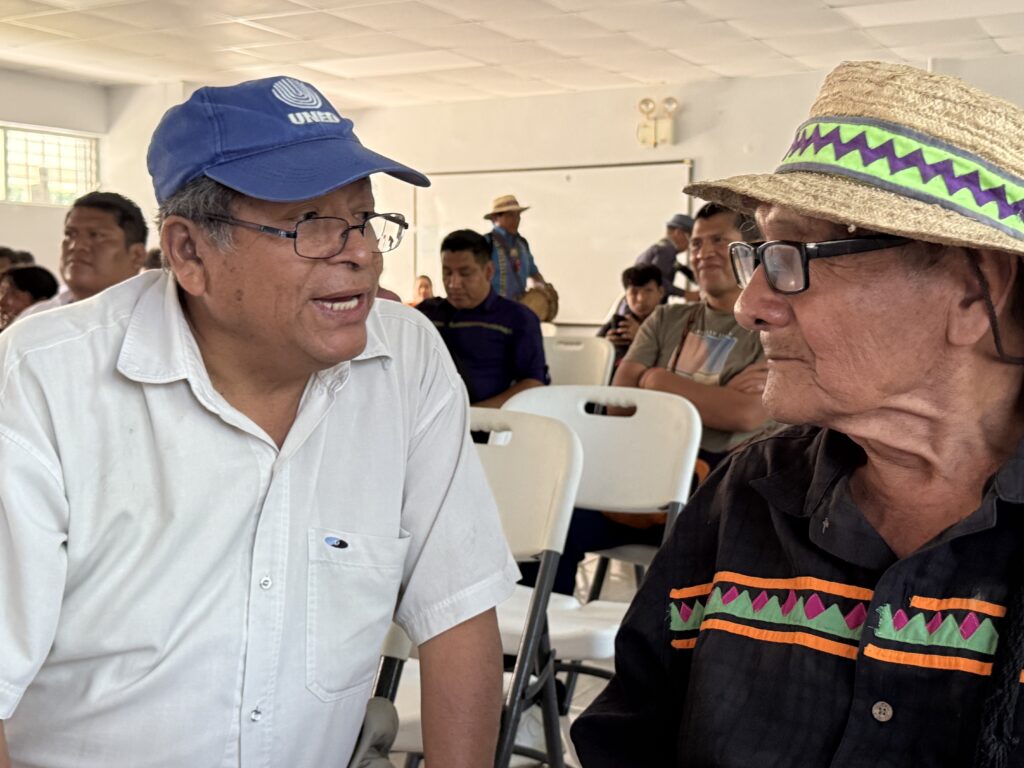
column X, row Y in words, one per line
column 548, row 329
column 637, row 463
column 534, row 473
column 585, row 360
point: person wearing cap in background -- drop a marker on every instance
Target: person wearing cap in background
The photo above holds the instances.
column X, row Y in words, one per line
column 514, row 267
column 221, row 479
column 664, row 254
column 851, row 593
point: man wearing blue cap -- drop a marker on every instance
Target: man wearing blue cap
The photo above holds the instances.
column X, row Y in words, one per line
column 206, row 531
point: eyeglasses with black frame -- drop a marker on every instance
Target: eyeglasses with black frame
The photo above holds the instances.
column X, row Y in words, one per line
column 785, row 261
column 322, row 237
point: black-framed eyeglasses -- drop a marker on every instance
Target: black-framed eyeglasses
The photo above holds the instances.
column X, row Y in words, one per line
column 321, row 237
column 785, row 261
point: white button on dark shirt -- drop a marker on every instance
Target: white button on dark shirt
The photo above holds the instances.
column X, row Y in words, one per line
column 882, row 711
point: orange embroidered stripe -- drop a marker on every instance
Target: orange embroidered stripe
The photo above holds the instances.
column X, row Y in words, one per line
column 687, row 644
column 928, row 660
column 805, row 639
column 957, row 604
column 698, row 591
column 800, row 582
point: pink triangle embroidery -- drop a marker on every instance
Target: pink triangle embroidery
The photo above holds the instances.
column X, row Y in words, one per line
column 856, row 616
column 936, row 622
column 729, row 596
column 813, row 607
column 899, row 620
column 685, row 612
column 760, row 601
column 790, row 604
column 969, row 625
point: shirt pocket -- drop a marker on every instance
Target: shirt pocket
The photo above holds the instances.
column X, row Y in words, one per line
column 352, row 588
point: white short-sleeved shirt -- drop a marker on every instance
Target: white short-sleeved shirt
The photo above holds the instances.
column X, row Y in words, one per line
column 62, row 299
column 175, row 590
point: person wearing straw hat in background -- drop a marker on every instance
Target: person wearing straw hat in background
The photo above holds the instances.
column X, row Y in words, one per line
column 850, row 593
column 514, row 267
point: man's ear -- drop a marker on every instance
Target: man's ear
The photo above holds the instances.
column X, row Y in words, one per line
column 985, row 271
column 489, row 270
column 181, row 240
column 137, row 254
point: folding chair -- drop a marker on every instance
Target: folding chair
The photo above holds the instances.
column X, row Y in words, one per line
column 634, row 464
column 582, row 360
column 533, row 470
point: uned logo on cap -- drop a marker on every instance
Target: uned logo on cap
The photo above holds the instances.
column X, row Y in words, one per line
column 296, row 94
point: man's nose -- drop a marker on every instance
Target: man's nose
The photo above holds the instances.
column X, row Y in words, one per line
column 759, row 307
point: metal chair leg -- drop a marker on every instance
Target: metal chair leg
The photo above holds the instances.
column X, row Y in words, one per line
column 599, row 576
column 638, row 572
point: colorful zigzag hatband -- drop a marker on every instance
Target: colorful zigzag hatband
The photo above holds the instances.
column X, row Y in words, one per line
column 895, row 158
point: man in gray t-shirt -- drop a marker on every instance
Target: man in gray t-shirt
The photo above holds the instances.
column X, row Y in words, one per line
column 698, row 350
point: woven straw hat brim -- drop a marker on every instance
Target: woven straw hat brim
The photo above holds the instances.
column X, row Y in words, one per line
column 845, row 201
column 510, row 209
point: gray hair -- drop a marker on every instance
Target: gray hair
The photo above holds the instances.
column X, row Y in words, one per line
column 197, row 201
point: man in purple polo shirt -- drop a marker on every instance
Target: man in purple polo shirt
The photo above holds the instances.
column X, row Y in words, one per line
column 496, row 343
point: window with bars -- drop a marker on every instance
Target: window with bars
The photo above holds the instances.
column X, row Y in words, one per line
column 46, row 166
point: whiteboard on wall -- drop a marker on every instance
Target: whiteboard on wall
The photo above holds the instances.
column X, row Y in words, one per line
column 585, row 224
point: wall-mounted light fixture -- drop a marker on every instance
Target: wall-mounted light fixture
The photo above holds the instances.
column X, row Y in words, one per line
column 657, row 124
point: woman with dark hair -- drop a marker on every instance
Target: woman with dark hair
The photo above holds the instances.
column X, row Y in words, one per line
column 20, row 288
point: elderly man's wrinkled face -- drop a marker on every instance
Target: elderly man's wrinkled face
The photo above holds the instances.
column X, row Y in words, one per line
column 868, row 334
column 301, row 313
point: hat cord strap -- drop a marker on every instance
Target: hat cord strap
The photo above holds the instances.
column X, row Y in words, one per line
column 993, row 321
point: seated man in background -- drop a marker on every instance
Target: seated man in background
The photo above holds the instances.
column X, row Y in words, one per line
column 21, row 287
column 496, row 343
column 644, row 293
column 699, row 351
column 664, row 255
column 104, row 243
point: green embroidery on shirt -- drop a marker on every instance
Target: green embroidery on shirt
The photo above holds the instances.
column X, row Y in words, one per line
column 678, row 624
column 829, row 621
column 981, row 636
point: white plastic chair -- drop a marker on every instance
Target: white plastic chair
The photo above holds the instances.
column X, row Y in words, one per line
column 583, row 360
column 634, row 464
column 534, row 472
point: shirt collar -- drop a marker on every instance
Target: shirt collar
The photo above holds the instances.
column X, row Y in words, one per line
column 1009, row 480
column 159, row 346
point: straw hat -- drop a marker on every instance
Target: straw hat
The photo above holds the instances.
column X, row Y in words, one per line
column 894, row 149
column 505, row 204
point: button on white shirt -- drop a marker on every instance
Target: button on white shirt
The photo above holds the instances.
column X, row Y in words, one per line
column 169, row 592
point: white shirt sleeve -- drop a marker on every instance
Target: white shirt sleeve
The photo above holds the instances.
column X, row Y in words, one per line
column 459, row 563
column 33, row 534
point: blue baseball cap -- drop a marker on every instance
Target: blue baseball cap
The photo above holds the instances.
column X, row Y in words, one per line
column 275, row 139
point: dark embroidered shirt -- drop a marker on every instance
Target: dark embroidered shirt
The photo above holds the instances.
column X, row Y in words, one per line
column 494, row 345
column 777, row 628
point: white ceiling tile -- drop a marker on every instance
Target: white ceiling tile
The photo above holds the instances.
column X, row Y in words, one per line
column 628, row 18
column 455, row 36
column 779, row 23
column 703, row 36
column 313, row 25
column 400, row 63
column 153, row 44
column 498, row 81
column 80, row 25
column 13, row 35
column 727, row 10
column 157, row 14
column 597, row 46
column 650, row 67
column 375, row 44
column 13, row 8
column 760, row 67
column 938, row 32
column 490, row 10
column 1011, row 44
column 234, row 34
column 393, row 16
column 751, row 50
column 563, row 27
column 845, row 3
column 244, row 9
column 961, row 49
column 506, row 54
column 428, row 87
column 830, row 59
column 217, row 60
column 1007, row 25
column 586, row 5
column 299, row 50
column 822, row 42
column 572, row 74
column 916, row 11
